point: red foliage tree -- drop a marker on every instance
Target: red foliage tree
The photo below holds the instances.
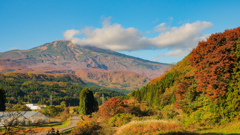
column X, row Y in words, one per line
column 214, row 62
column 181, row 91
column 111, row 107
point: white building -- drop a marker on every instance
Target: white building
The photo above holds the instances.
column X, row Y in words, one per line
column 35, row 106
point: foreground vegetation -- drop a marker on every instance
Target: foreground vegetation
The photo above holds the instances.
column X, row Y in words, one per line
column 130, row 117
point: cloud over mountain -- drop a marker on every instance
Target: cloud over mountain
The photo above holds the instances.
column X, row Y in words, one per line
column 114, row 37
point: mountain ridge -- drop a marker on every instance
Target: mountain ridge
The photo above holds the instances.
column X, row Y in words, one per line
column 65, row 57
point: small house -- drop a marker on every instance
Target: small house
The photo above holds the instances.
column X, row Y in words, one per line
column 35, row 106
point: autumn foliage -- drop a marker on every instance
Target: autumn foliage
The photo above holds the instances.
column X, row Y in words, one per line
column 112, row 107
column 205, row 84
column 115, row 106
column 214, row 62
column 84, row 128
column 157, row 79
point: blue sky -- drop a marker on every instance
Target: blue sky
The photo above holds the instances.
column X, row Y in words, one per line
column 161, row 30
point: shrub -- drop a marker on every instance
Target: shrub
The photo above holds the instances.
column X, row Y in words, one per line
column 138, row 109
column 120, row 119
column 65, row 114
column 53, row 110
column 116, row 105
column 111, row 107
column 84, row 128
column 75, row 109
column 19, row 107
column 169, row 112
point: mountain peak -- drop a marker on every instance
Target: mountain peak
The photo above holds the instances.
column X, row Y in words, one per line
column 65, row 57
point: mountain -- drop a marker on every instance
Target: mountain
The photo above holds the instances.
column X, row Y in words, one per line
column 205, row 85
column 101, row 66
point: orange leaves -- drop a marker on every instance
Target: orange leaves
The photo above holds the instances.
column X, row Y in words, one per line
column 116, row 106
column 84, row 128
column 157, row 79
column 214, row 61
column 182, row 89
column 111, row 107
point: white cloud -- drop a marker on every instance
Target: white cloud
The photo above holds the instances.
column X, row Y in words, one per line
column 176, row 54
column 184, row 37
column 114, row 37
column 13, row 48
column 70, row 33
column 161, row 28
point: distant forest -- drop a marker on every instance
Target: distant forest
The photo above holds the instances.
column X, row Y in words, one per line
column 37, row 88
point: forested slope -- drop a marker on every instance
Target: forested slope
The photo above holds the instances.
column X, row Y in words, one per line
column 37, row 88
column 205, row 85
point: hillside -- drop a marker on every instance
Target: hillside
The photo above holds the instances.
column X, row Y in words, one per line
column 92, row 64
column 205, row 85
column 37, row 88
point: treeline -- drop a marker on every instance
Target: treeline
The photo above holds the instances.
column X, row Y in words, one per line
column 205, row 85
column 161, row 93
column 153, row 93
column 37, row 88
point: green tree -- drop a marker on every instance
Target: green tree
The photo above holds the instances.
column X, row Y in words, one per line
column 19, row 107
column 52, row 110
column 2, row 99
column 63, row 104
column 88, row 103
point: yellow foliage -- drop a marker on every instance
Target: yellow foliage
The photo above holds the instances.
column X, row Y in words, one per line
column 52, row 83
column 9, row 79
column 29, row 83
column 84, row 127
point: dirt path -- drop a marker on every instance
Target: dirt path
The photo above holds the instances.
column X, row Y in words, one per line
column 74, row 121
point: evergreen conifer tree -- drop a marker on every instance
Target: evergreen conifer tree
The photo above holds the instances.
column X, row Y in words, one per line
column 87, row 103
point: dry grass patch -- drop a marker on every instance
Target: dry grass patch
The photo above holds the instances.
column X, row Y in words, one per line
column 149, row 127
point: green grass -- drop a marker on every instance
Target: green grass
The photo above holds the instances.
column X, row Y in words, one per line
column 68, row 131
column 64, row 123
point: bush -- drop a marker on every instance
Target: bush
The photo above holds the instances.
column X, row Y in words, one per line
column 159, row 116
column 75, row 109
column 120, row 119
column 169, row 112
column 116, row 105
column 19, row 107
column 84, row 128
column 111, row 107
column 53, row 110
column 65, row 114
column 138, row 109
